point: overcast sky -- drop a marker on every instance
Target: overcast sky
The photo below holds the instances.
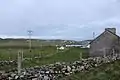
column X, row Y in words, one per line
column 60, row 19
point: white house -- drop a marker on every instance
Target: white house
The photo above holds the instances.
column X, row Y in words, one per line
column 61, row 48
column 73, row 45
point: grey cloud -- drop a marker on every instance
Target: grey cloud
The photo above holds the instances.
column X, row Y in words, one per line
column 67, row 18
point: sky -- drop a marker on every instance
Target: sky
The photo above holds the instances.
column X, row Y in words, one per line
column 58, row 19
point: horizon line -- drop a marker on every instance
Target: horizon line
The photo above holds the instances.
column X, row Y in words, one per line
column 41, row 37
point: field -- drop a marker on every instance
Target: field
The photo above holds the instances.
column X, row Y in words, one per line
column 47, row 54
column 23, row 43
column 11, row 53
column 68, row 55
column 50, row 54
column 45, row 50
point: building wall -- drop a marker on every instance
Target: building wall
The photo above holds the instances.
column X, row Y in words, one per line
column 103, row 44
column 116, row 46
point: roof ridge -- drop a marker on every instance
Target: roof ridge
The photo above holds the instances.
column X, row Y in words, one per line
column 113, row 33
column 103, row 33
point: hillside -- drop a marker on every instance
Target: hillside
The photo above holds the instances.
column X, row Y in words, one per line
column 36, row 43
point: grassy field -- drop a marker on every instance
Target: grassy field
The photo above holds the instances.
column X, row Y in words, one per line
column 48, row 54
column 35, row 42
column 11, row 53
column 69, row 55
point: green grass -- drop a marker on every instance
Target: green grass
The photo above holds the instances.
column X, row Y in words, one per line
column 109, row 71
column 25, row 42
column 68, row 55
column 11, row 53
column 49, row 54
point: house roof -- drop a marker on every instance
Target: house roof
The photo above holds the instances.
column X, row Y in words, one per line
column 102, row 34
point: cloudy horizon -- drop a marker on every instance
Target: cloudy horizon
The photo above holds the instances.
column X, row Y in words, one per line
column 58, row 19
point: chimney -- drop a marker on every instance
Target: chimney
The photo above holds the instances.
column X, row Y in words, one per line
column 113, row 30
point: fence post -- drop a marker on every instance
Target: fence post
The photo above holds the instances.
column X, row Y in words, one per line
column 19, row 61
column 80, row 56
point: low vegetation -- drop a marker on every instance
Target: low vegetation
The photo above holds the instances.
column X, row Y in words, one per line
column 11, row 53
column 46, row 54
column 50, row 54
column 67, row 55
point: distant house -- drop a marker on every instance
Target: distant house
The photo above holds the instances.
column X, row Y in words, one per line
column 81, row 46
column 73, row 45
column 105, row 44
column 86, row 46
column 61, row 48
